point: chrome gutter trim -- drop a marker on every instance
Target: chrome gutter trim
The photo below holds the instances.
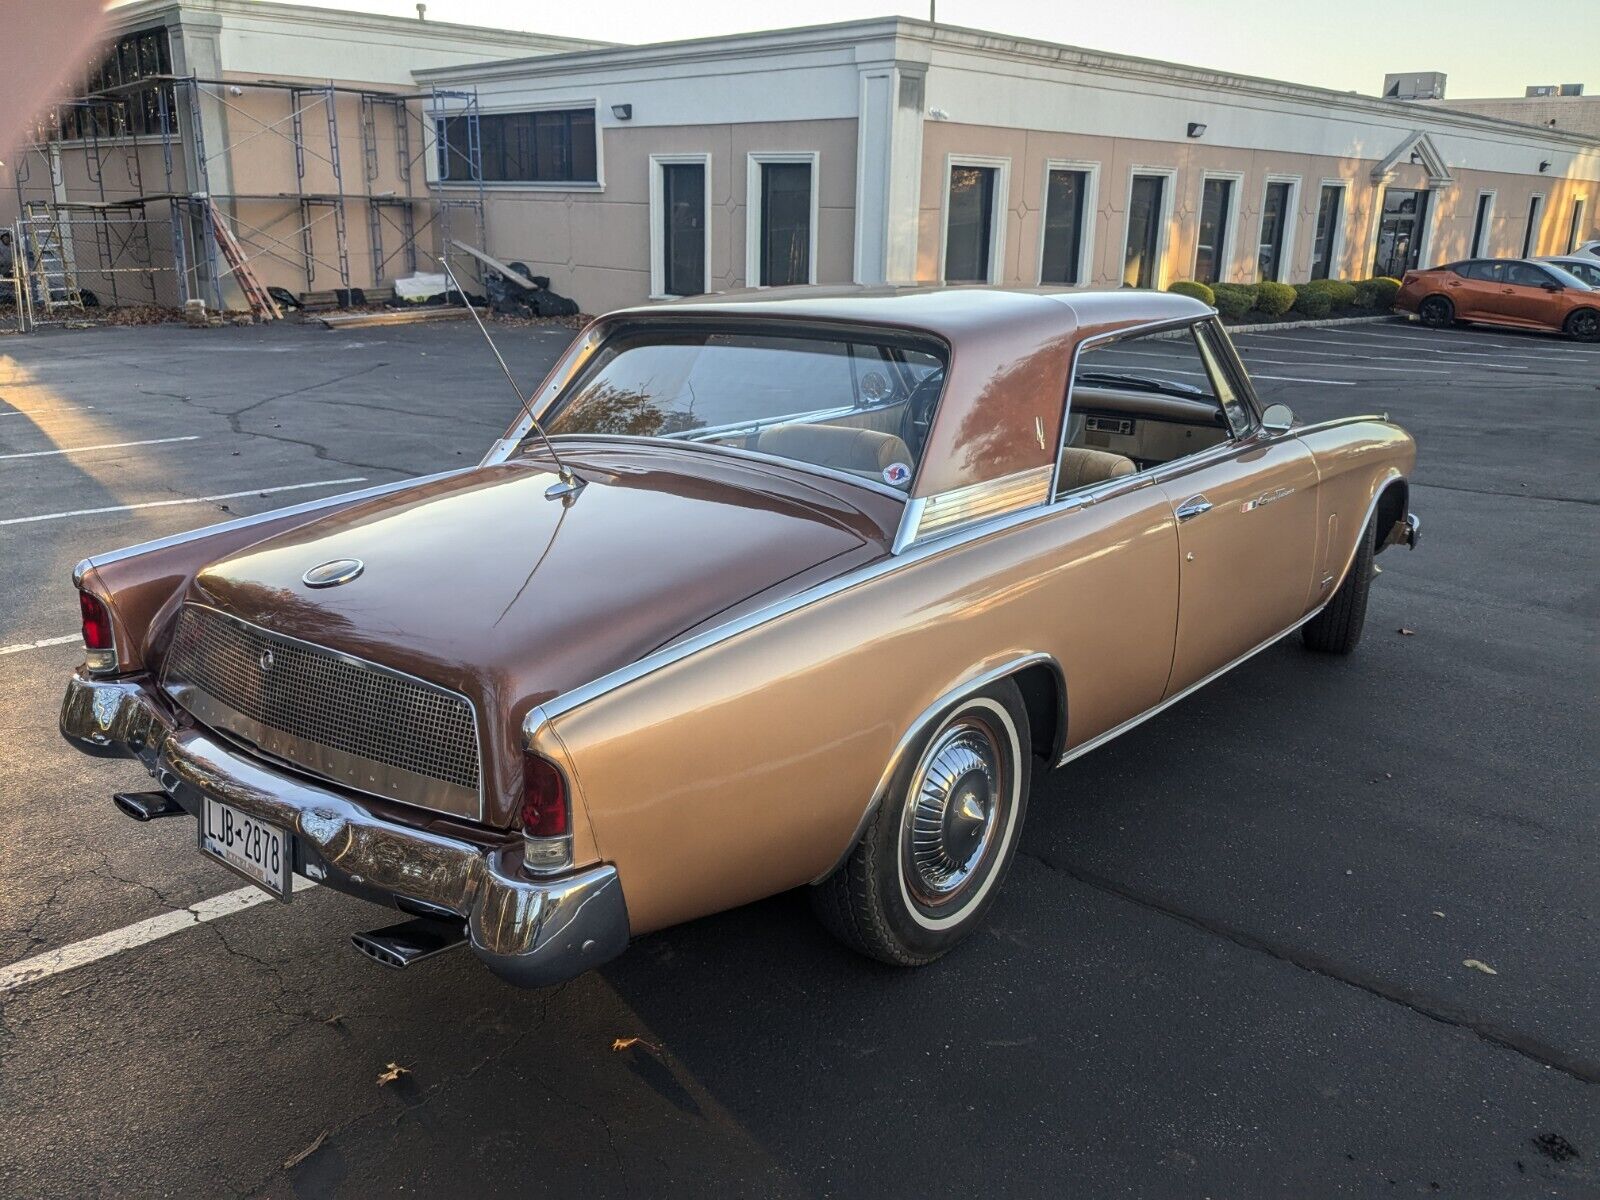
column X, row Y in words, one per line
column 946, row 701
column 362, row 664
column 530, row 932
column 309, row 506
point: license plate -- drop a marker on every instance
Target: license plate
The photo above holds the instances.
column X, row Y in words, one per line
column 258, row 851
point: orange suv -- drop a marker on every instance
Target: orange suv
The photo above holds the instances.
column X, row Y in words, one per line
column 1503, row 291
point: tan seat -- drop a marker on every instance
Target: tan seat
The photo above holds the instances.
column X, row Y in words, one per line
column 843, row 447
column 1080, row 468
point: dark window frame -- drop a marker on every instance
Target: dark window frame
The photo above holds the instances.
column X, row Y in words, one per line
column 670, row 265
column 1223, row 229
column 1481, row 217
column 1325, row 237
column 1530, row 235
column 1148, row 273
column 130, row 111
column 1051, row 243
column 1278, row 240
column 985, row 267
column 516, row 147
column 768, row 251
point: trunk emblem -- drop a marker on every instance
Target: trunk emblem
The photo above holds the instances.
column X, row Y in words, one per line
column 332, row 574
column 265, row 661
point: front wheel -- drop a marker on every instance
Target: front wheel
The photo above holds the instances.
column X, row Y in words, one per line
column 1436, row 312
column 934, row 854
column 1584, row 325
column 1337, row 628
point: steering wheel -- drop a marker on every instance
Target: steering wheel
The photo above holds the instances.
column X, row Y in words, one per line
column 918, row 419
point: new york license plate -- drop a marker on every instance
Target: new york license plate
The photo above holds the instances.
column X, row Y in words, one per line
column 258, row 851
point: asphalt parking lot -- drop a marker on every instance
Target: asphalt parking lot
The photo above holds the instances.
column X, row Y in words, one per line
column 1230, row 959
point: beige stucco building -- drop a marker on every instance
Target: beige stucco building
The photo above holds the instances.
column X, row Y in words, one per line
column 875, row 150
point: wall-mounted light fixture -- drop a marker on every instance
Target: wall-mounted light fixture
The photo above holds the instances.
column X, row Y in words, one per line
column 938, row 114
column 1197, row 129
column 622, row 112
column 1416, row 158
column 1544, row 166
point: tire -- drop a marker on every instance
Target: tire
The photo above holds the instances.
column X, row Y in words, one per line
column 1337, row 628
column 911, row 889
column 1436, row 312
column 1584, row 325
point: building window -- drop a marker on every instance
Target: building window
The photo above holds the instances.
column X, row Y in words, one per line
column 130, row 111
column 970, row 240
column 781, row 211
column 545, row 146
column 1400, row 229
column 1325, row 245
column 1530, row 236
column 680, row 216
column 1274, row 227
column 1141, row 255
column 1575, row 227
column 1065, row 208
column 1480, row 223
column 1216, row 209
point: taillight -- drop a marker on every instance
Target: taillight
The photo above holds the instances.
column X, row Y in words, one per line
column 546, row 816
column 98, row 640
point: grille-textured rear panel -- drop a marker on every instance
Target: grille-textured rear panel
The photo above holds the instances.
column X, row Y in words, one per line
column 327, row 712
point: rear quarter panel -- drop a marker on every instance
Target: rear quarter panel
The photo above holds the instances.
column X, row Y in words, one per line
column 745, row 768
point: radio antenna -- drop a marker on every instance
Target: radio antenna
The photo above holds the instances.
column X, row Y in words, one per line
column 567, row 484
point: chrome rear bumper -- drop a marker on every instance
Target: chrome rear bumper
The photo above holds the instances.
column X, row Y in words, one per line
column 529, row 932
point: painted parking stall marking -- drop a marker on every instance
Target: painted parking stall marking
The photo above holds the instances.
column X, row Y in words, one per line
column 19, row 647
column 193, row 437
column 113, row 508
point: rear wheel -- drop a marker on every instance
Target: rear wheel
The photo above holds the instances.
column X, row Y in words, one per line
column 1584, row 325
column 934, row 854
column 1337, row 628
column 1436, row 312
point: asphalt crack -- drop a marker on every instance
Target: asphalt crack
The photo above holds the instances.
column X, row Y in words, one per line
column 1434, row 1008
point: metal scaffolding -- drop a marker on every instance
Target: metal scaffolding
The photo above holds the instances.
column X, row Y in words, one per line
column 411, row 214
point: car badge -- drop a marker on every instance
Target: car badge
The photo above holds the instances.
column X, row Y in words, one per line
column 265, row 661
column 332, row 574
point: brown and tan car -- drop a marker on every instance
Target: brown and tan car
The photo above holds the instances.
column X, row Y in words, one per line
column 1503, row 291
column 815, row 585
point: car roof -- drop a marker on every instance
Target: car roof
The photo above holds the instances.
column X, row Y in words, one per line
column 1011, row 351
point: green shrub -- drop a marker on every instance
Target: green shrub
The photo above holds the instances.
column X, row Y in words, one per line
column 1195, row 291
column 1233, row 300
column 1312, row 303
column 1377, row 293
column 1341, row 295
column 1274, row 299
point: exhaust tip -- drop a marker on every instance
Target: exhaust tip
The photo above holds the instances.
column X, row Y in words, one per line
column 146, row 806
column 398, row 946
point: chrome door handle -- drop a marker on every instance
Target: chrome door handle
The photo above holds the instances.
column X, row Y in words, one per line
column 1193, row 507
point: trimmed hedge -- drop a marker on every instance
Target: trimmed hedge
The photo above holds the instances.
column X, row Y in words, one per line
column 1314, row 305
column 1274, row 299
column 1341, row 295
column 1195, row 291
column 1233, row 300
column 1377, row 293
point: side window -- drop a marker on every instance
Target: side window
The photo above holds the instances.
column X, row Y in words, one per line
column 1526, row 275
column 1146, row 400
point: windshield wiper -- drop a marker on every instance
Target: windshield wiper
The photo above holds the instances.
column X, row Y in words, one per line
column 1138, row 383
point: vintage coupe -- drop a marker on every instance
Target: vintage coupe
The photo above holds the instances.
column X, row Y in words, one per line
column 800, row 590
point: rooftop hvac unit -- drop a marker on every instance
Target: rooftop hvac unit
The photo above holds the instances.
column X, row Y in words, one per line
column 1415, row 85
column 1572, row 89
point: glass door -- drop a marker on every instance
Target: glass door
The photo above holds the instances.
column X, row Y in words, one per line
column 1400, row 228
column 969, row 225
column 1274, row 215
column 1329, row 209
column 1216, row 201
column 785, row 223
column 683, row 195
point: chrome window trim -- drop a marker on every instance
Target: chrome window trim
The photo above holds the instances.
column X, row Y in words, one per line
column 363, row 664
column 307, row 506
column 927, row 516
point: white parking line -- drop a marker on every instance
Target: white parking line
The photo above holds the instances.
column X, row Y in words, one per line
column 193, row 437
column 46, row 412
column 1203, row 375
column 1466, row 357
column 1480, row 338
column 1290, row 362
column 79, row 954
column 19, row 647
column 86, row 512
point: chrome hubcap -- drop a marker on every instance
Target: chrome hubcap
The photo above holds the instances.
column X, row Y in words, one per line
column 954, row 812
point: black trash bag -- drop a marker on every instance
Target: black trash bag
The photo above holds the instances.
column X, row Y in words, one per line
column 285, row 298
column 349, row 297
column 547, row 304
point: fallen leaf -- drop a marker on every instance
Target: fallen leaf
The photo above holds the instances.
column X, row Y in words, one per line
column 334, row 1020
column 294, row 1160
column 1479, row 966
column 1437, row 913
column 1404, row 632
column 393, row 1074
column 628, row 1043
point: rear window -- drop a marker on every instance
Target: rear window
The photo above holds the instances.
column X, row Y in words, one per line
column 862, row 405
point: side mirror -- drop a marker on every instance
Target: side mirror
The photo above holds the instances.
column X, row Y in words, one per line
column 1279, row 418
column 1553, row 287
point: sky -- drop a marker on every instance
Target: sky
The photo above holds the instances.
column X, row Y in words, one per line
column 1487, row 47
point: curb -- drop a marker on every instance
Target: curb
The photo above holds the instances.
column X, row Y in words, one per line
column 1264, row 326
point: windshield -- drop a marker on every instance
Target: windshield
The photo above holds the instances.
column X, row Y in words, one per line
column 862, row 405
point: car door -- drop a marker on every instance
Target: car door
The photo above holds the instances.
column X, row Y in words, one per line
column 1246, row 514
column 1475, row 288
column 1530, row 296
